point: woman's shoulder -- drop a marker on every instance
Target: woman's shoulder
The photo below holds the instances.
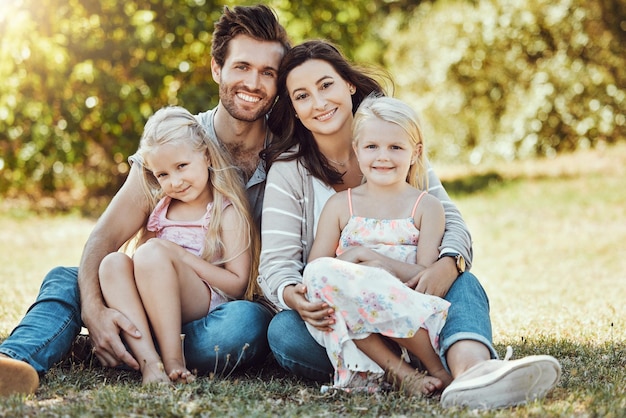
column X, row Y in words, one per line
column 288, row 163
column 288, row 156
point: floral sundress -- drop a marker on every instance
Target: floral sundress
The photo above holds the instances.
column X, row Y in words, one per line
column 370, row 300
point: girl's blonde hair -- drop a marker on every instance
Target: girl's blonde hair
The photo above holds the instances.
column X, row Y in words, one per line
column 398, row 112
column 171, row 125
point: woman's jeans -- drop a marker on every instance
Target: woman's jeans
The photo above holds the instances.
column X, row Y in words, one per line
column 468, row 319
column 231, row 336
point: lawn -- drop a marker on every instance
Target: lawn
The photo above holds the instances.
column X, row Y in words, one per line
column 548, row 247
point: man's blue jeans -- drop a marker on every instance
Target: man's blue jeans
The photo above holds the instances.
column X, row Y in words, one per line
column 233, row 335
column 468, row 319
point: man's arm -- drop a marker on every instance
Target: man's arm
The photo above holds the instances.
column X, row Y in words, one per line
column 456, row 236
column 124, row 216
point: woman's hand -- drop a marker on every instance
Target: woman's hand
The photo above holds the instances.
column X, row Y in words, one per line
column 318, row 314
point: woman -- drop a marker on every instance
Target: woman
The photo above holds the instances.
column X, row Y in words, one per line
column 319, row 90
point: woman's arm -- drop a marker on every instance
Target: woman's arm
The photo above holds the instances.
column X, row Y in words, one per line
column 285, row 235
column 282, row 230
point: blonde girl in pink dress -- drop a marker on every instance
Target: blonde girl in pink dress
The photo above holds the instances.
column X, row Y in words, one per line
column 197, row 250
column 369, row 241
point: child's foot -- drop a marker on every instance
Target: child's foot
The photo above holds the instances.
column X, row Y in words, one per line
column 443, row 375
column 178, row 373
column 419, row 384
column 181, row 376
column 154, row 372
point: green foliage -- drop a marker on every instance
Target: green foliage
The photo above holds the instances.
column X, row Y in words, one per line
column 504, row 79
column 513, row 79
column 348, row 24
column 79, row 79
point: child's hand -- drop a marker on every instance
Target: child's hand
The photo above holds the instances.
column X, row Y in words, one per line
column 318, row 314
column 359, row 255
column 365, row 256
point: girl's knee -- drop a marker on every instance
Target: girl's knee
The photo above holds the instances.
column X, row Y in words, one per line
column 315, row 270
column 114, row 266
column 115, row 261
column 151, row 253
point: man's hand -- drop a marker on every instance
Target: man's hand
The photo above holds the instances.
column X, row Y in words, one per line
column 105, row 326
column 317, row 314
column 435, row 280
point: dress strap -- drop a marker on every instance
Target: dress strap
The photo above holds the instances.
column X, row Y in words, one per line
column 350, row 200
column 417, row 202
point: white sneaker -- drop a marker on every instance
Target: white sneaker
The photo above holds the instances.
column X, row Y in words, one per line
column 503, row 383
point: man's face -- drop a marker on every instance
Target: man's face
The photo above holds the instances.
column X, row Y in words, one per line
column 247, row 79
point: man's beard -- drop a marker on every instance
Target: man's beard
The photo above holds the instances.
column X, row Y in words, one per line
column 228, row 97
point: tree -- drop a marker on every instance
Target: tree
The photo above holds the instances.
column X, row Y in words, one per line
column 79, row 79
column 509, row 79
column 492, row 78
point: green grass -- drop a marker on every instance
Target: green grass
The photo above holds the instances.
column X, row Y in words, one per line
column 548, row 240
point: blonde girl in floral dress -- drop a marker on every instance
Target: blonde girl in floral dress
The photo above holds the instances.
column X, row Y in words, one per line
column 368, row 242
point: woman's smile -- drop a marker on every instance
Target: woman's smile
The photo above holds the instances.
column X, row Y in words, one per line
column 324, row 117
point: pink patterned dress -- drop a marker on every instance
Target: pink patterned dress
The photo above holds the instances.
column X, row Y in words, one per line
column 370, row 300
column 188, row 234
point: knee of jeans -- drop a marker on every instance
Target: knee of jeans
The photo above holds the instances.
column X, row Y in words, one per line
column 60, row 283
column 286, row 332
column 257, row 317
column 277, row 327
column 468, row 279
column 467, row 286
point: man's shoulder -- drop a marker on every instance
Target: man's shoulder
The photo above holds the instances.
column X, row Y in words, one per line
column 206, row 118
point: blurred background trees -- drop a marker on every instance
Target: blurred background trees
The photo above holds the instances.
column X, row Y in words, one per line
column 493, row 79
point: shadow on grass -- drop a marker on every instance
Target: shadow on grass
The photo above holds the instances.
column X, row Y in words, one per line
column 473, row 183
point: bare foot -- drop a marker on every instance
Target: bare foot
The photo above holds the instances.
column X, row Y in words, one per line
column 442, row 374
column 419, row 384
column 182, row 376
column 178, row 373
column 154, row 372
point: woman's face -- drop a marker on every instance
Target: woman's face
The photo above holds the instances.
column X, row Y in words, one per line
column 321, row 98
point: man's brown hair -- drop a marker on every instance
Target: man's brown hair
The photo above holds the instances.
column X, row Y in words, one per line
column 258, row 22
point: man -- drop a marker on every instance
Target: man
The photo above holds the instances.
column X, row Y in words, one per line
column 247, row 47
